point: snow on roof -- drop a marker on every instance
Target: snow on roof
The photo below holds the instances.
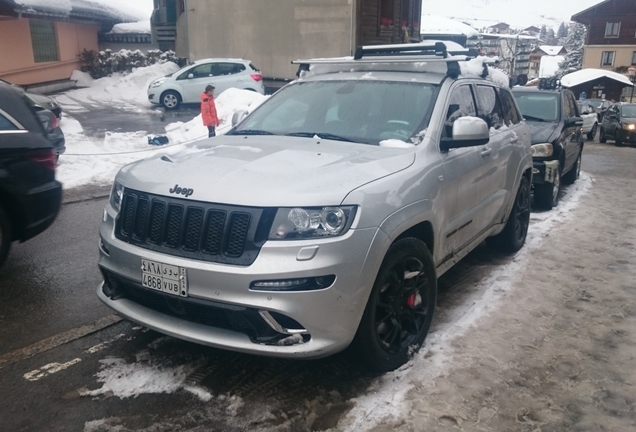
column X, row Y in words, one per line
column 133, row 27
column 551, row 50
column 117, row 10
column 433, row 24
column 507, row 36
column 58, row 6
column 585, row 75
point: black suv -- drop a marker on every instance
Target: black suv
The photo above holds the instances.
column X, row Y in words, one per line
column 557, row 141
column 619, row 124
column 30, row 196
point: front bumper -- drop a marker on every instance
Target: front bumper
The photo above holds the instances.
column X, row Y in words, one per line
column 628, row 136
column 544, row 171
column 222, row 311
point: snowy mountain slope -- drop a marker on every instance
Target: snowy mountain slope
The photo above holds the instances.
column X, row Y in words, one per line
column 517, row 13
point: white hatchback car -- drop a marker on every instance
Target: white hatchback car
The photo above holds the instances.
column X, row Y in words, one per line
column 187, row 84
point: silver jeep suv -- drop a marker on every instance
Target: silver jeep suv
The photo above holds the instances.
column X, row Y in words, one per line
column 324, row 218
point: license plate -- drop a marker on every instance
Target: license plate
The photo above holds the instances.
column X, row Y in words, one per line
column 164, row 277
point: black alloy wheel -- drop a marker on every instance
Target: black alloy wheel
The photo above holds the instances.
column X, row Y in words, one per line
column 601, row 137
column 514, row 234
column 400, row 309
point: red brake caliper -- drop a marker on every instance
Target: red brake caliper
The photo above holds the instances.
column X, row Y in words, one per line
column 410, row 301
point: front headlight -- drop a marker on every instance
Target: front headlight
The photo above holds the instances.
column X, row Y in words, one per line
column 155, row 84
column 542, row 150
column 116, row 195
column 629, row 126
column 311, row 222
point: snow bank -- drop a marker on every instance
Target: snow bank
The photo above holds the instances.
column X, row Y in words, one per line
column 438, row 25
column 59, row 6
column 82, row 79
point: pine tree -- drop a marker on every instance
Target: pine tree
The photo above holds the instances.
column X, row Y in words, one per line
column 574, row 46
column 543, row 32
column 562, row 33
column 550, row 38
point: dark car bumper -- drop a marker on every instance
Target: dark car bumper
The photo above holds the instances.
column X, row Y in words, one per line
column 40, row 207
column 57, row 140
column 628, row 136
column 543, row 171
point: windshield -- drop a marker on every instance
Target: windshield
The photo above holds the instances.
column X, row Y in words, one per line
column 596, row 103
column 628, row 111
column 538, row 106
column 357, row 111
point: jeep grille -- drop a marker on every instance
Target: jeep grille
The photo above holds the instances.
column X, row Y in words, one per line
column 193, row 229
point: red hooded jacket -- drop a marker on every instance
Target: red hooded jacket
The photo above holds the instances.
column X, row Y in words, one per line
column 208, row 111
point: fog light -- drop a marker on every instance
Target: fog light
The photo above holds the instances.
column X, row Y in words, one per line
column 300, row 284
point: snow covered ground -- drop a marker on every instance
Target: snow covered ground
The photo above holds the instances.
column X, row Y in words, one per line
column 95, row 161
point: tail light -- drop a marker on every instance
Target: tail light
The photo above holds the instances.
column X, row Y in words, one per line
column 56, row 122
column 43, row 157
column 257, row 77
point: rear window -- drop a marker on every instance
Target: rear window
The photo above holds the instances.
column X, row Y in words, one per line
column 6, row 124
column 537, row 106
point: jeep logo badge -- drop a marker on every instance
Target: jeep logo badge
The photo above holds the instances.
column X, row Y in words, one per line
column 181, row 191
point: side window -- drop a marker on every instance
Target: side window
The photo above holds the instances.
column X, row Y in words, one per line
column 220, row 69
column 511, row 115
column 6, row 124
column 489, row 106
column 202, row 71
column 570, row 110
column 567, row 107
column 461, row 104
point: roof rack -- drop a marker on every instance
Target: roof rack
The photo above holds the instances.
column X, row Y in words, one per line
column 401, row 53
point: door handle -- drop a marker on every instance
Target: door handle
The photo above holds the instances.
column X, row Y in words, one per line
column 486, row 152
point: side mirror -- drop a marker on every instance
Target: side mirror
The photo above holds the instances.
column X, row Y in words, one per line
column 190, row 76
column 238, row 116
column 574, row 121
column 467, row 132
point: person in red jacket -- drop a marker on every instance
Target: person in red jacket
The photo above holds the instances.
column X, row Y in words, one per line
column 208, row 110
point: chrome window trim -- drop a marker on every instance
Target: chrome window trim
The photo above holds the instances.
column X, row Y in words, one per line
column 12, row 120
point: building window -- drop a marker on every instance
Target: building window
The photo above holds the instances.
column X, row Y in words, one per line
column 612, row 30
column 43, row 40
column 386, row 14
column 634, row 58
column 608, row 58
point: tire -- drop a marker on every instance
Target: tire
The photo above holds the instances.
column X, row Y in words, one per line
column 170, row 100
column 400, row 308
column 546, row 196
column 5, row 235
column 513, row 236
column 601, row 137
column 591, row 134
column 618, row 141
column 573, row 175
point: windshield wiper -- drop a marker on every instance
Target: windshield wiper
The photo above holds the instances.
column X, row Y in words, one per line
column 527, row 117
column 251, row 132
column 322, row 135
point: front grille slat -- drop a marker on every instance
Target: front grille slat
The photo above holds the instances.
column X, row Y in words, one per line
column 192, row 229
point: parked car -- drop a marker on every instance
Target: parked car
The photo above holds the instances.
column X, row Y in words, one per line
column 619, row 124
column 590, row 119
column 187, row 84
column 324, row 218
column 30, row 197
column 51, row 126
column 557, row 142
column 600, row 105
column 42, row 100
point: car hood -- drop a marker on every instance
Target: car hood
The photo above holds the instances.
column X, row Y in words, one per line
column 270, row 171
column 542, row 132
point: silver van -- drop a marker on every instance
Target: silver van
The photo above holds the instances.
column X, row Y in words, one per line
column 324, row 218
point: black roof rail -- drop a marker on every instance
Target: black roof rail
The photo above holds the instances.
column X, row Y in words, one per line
column 439, row 50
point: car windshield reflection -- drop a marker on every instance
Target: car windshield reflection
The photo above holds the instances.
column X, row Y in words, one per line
column 348, row 111
column 538, row 106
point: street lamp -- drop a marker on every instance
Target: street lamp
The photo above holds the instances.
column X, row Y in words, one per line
column 632, row 77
